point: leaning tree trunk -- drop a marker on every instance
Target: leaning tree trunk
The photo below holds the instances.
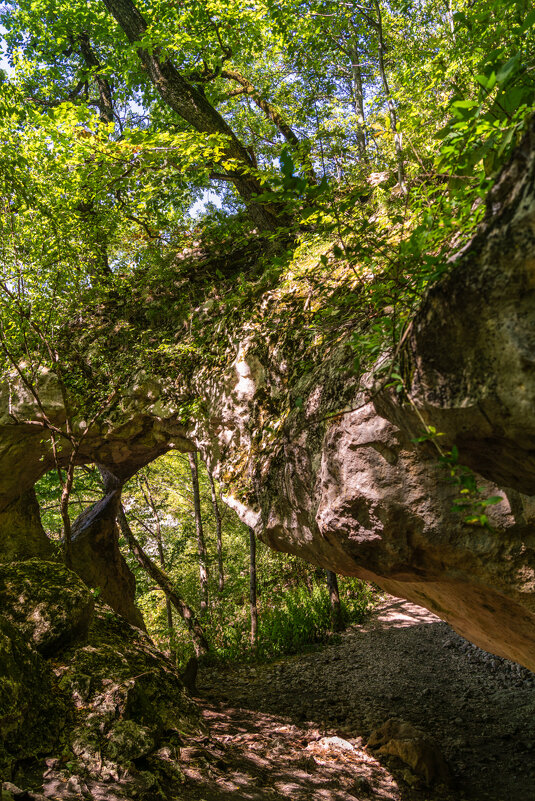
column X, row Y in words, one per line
column 336, row 606
column 190, row 104
column 201, row 545
column 217, row 515
column 200, row 643
column 66, row 489
column 252, row 587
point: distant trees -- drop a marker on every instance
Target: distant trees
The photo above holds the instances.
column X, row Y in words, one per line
column 195, row 629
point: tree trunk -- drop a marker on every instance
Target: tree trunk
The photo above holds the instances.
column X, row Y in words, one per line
column 66, row 489
column 398, row 140
column 200, row 643
column 201, row 545
column 217, row 515
column 190, row 104
column 336, row 607
column 358, row 99
column 105, row 98
column 252, row 587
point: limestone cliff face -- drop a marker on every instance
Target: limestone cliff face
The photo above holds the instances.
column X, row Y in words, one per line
column 337, row 478
column 354, row 493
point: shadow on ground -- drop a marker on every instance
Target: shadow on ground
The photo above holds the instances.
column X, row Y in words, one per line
column 297, row 728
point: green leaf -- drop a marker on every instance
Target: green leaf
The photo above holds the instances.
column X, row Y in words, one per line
column 508, row 69
column 488, row 82
column 492, row 501
column 464, row 104
column 528, row 22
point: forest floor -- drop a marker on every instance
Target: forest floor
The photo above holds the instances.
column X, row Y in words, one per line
column 297, row 728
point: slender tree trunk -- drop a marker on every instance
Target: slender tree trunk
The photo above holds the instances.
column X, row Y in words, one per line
column 336, row 607
column 252, row 587
column 398, row 139
column 200, row 643
column 358, row 99
column 161, row 555
column 105, row 98
column 190, row 104
column 201, row 545
column 217, row 515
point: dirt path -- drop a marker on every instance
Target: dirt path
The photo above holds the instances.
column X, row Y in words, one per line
column 297, row 728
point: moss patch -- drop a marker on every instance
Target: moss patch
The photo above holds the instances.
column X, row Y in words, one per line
column 47, row 603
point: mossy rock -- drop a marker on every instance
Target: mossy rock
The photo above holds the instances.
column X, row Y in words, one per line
column 32, row 711
column 47, row 603
column 129, row 696
column 108, row 699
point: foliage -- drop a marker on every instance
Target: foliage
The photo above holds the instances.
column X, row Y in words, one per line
column 97, row 207
column 294, row 604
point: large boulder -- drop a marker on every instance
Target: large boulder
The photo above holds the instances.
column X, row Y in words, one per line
column 49, row 605
column 32, row 713
column 21, row 533
column 130, row 698
column 359, row 496
column 106, row 711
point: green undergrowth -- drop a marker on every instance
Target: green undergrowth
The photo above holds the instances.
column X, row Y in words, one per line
column 289, row 622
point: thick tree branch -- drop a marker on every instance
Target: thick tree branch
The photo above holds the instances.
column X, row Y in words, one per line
column 200, row 642
column 105, row 102
column 190, row 104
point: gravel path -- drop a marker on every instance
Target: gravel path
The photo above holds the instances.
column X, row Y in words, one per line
column 297, row 728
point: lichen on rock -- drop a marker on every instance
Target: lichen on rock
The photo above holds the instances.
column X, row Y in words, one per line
column 128, row 697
